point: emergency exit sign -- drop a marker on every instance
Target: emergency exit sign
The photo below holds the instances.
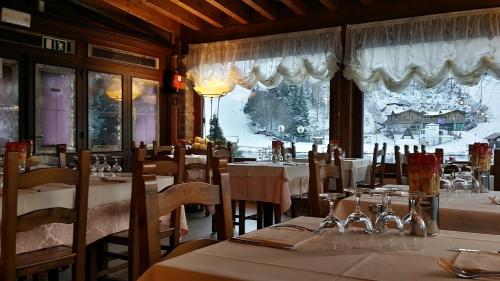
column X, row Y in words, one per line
column 58, row 45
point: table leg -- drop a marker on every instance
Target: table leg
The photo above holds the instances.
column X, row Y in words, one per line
column 260, row 215
column 241, row 217
column 277, row 213
column 268, row 213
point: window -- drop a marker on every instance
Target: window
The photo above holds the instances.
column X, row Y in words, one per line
column 105, row 111
column 55, row 107
column 252, row 119
column 9, row 101
column 144, row 110
column 450, row 116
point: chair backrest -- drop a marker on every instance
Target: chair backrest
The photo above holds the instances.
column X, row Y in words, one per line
column 58, row 159
column 378, row 165
column 153, row 204
column 194, row 168
column 226, row 152
column 406, row 150
column 422, row 148
column 415, row 149
column 13, row 181
column 321, row 170
column 496, row 169
column 291, row 150
column 166, row 165
column 440, row 152
column 399, row 165
column 162, row 149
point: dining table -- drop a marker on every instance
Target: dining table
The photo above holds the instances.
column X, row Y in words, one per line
column 275, row 183
column 458, row 210
column 316, row 257
column 108, row 211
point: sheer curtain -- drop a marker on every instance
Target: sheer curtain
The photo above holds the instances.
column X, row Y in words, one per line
column 424, row 49
column 266, row 61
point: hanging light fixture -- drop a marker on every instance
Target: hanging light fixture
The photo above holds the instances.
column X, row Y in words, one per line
column 114, row 91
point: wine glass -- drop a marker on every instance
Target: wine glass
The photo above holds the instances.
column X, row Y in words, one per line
column 387, row 215
column 116, row 169
column 94, row 167
column 358, row 217
column 414, row 226
column 331, row 221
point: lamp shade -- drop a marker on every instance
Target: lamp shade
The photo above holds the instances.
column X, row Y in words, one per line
column 213, row 89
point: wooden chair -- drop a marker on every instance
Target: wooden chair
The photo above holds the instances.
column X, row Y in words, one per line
column 152, row 204
column 495, row 169
column 415, row 149
column 14, row 265
column 58, row 159
column 158, row 165
column 321, row 171
column 291, row 150
column 227, row 152
column 162, row 149
column 378, row 167
column 399, row 163
column 407, row 150
column 422, row 149
column 440, row 153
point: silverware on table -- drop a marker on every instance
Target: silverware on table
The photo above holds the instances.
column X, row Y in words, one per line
column 467, row 274
column 299, row 227
column 470, row 250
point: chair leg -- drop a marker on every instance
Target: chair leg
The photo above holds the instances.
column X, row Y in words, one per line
column 277, row 213
column 242, row 217
column 260, row 215
column 53, row 274
column 293, row 210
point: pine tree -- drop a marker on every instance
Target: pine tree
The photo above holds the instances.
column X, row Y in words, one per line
column 216, row 135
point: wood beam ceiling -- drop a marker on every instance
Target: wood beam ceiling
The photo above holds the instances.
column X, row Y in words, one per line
column 266, row 8
column 234, row 9
column 203, row 10
column 297, row 6
column 176, row 13
column 144, row 13
column 331, row 5
column 350, row 14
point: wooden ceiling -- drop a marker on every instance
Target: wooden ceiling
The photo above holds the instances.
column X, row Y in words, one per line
column 195, row 21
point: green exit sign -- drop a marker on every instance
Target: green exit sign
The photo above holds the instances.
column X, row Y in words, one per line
column 58, row 45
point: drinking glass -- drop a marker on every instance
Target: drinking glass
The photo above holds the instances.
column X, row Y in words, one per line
column 106, row 168
column 116, row 169
column 358, row 217
column 94, row 167
column 331, row 221
column 414, row 225
column 387, row 215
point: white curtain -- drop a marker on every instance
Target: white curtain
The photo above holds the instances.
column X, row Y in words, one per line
column 424, row 49
column 266, row 61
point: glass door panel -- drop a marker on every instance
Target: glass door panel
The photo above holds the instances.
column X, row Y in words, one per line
column 145, row 110
column 9, row 101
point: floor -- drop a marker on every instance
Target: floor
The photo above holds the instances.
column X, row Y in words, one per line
column 200, row 226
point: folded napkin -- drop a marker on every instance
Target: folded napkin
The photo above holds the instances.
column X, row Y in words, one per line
column 494, row 199
column 486, row 261
column 277, row 237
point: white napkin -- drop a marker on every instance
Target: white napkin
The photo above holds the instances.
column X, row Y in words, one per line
column 494, row 199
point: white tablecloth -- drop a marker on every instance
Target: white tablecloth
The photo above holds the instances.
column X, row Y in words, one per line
column 108, row 213
column 355, row 170
column 236, row 261
column 268, row 182
column 457, row 211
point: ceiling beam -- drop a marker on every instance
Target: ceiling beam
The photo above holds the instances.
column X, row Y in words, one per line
column 264, row 7
column 146, row 14
column 297, row 6
column 331, row 5
column 234, row 9
column 339, row 17
column 175, row 12
column 203, row 10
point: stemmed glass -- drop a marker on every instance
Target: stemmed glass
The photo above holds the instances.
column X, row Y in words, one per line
column 332, row 221
column 116, row 169
column 94, row 168
column 414, row 226
column 387, row 215
column 358, row 216
column 106, row 168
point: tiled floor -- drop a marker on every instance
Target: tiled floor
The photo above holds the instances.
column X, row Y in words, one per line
column 200, row 226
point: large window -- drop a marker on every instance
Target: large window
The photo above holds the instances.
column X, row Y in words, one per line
column 450, row 116
column 55, row 107
column 105, row 111
column 144, row 110
column 9, row 101
column 252, row 119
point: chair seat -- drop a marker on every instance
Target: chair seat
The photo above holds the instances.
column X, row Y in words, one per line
column 43, row 260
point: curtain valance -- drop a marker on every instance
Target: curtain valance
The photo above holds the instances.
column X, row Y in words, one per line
column 425, row 49
column 266, row 61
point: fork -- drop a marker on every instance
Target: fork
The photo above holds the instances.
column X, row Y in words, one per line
column 285, row 225
column 462, row 273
